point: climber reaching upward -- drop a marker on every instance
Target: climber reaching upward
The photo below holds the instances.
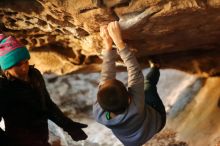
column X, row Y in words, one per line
column 135, row 114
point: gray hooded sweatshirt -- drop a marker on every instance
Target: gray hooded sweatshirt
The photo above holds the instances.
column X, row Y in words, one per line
column 139, row 122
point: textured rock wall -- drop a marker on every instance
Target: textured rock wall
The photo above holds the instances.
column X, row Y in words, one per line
column 63, row 35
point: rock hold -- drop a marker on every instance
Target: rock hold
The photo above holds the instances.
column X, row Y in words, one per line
column 183, row 35
column 127, row 24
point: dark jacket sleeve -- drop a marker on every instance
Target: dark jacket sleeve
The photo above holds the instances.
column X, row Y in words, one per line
column 0, row 119
column 55, row 114
column 1, row 86
column 53, row 111
column 2, row 133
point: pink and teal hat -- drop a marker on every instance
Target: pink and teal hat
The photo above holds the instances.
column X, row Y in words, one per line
column 11, row 52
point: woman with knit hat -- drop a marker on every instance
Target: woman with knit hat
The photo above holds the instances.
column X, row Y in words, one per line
column 25, row 104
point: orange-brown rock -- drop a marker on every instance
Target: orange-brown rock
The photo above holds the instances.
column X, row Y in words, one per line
column 63, row 35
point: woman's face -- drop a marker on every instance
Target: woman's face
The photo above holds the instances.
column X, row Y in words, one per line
column 19, row 70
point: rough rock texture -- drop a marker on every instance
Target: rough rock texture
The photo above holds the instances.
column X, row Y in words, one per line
column 63, row 35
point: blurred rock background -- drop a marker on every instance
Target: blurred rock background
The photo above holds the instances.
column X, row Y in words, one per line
column 189, row 100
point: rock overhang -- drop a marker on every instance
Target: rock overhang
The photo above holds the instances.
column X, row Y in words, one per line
column 63, row 36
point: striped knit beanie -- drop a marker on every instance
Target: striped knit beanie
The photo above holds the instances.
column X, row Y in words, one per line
column 11, row 52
